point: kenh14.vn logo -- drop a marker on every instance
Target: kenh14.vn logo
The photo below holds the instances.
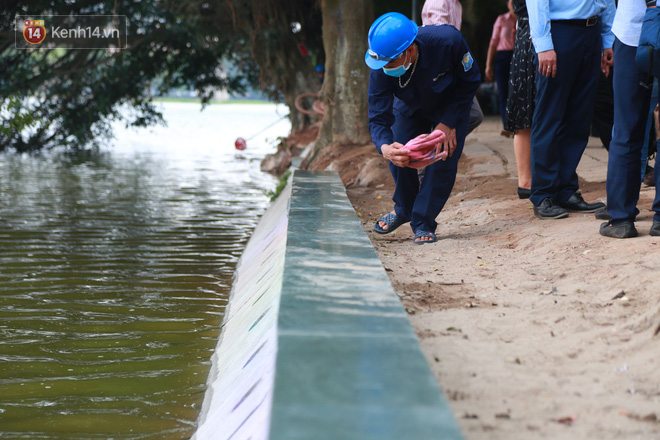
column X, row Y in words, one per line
column 34, row 31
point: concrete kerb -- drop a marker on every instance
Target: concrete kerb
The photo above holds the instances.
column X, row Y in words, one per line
column 316, row 344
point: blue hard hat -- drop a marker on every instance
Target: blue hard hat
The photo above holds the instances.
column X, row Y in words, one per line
column 389, row 36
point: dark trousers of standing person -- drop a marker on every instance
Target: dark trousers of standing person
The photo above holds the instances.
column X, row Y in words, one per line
column 564, row 104
column 603, row 118
column 421, row 204
column 502, row 69
column 476, row 116
column 631, row 107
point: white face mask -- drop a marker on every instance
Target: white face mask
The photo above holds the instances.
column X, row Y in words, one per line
column 398, row 71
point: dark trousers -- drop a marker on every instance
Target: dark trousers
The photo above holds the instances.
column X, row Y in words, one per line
column 631, row 108
column 564, row 104
column 502, row 69
column 421, row 204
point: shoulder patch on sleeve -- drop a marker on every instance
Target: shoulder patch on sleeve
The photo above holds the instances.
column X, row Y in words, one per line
column 467, row 61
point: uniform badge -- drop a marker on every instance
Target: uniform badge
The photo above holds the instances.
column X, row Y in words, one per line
column 467, row 61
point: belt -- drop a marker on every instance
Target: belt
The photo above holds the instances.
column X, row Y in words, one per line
column 586, row 22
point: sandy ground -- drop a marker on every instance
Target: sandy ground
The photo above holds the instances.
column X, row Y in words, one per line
column 534, row 329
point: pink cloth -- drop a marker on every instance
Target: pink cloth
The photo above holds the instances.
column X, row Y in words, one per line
column 422, row 149
column 442, row 12
column 504, row 32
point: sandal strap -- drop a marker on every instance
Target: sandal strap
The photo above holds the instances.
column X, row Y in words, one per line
column 389, row 219
column 421, row 233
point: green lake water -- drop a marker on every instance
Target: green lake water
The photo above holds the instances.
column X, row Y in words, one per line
column 115, row 268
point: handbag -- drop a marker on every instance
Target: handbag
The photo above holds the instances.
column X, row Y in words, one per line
column 647, row 56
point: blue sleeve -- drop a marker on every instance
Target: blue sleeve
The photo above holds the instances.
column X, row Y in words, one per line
column 607, row 18
column 539, row 24
column 468, row 80
column 381, row 117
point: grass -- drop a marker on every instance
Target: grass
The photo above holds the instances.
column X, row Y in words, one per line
column 284, row 179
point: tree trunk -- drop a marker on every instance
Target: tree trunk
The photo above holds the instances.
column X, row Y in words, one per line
column 344, row 91
column 304, row 81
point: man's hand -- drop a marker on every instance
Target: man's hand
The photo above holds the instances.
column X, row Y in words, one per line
column 449, row 144
column 396, row 154
column 607, row 61
column 548, row 63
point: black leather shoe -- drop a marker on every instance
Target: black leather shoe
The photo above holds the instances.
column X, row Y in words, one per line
column 524, row 193
column 601, row 214
column 620, row 230
column 576, row 203
column 547, row 209
column 655, row 229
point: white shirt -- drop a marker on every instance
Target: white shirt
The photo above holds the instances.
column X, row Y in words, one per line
column 442, row 12
column 627, row 26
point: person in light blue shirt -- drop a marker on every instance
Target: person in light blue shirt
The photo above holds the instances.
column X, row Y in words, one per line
column 632, row 99
column 572, row 39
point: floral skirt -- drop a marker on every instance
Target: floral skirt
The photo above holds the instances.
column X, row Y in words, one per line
column 522, row 88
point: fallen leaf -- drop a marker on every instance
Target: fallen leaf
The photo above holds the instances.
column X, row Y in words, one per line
column 567, row 420
column 619, row 295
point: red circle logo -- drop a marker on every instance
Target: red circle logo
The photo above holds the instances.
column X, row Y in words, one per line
column 34, row 34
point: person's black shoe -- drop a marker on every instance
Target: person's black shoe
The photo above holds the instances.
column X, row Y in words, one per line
column 547, row 209
column 601, row 214
column 576, row 203
column 655, row 229
column 524, row 193
column 625, row 229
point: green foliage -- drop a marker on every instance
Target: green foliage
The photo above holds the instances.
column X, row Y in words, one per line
column 281, row 184
column 15, row 118
column 74, row 95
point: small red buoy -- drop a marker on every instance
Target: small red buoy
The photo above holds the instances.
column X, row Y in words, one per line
column 240, row 144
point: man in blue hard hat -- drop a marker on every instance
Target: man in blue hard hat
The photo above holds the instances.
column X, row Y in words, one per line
column 422, row 79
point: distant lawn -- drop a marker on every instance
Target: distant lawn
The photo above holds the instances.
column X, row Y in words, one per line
column 232, row 101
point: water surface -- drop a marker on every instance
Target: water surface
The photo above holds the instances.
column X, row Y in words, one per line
column 115, row 268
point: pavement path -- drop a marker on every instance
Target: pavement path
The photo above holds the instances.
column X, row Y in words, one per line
column 493, row 154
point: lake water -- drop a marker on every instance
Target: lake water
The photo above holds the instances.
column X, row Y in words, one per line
column 115, row 268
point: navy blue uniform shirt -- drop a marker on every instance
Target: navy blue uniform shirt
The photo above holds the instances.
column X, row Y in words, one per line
column 441, row 89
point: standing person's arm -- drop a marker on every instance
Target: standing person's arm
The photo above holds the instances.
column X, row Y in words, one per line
column 492, row 48
column 607, row 18
column 539, row 26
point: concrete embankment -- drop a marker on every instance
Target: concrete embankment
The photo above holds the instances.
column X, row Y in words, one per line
column 315, row 343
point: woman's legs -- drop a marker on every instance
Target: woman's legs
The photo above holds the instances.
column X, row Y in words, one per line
column 521, row 148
